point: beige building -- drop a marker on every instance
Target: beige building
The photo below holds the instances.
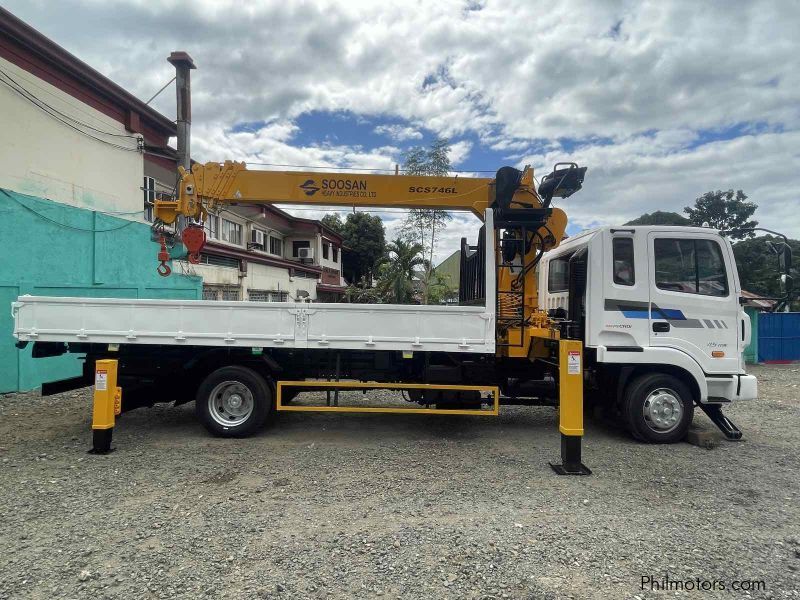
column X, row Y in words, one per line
column 263, row 254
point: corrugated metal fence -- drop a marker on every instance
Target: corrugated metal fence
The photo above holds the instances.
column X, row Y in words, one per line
column 778, row 337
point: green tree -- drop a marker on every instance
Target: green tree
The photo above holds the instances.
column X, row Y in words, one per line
column 725, row 211
column 423, row 225
column 334, row 222
column 363, row 292
column 660, row 218
column 364, row 240
column 398, row 273
column 758, row 265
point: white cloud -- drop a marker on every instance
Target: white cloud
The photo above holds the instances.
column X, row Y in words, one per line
column 644, row 174
column 631, row 87
column 399, row 133
column 459, row 152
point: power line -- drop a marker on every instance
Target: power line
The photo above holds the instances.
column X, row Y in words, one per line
column 63, row 225
column 67, row 120
column 30, row 96
column 360, row 168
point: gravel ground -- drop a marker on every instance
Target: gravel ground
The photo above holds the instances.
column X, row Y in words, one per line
column 342, row 506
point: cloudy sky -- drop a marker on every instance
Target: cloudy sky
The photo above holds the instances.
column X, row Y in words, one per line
column 662, row 101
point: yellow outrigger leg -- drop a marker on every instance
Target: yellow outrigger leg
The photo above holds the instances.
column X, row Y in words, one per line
column 107, row 405
column 570, row 408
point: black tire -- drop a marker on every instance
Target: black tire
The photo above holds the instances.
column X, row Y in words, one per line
column 251, row 388
column 645, row 395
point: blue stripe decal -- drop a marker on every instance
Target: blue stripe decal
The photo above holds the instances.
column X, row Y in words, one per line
column 669, row 313
column 636, row 314
column 672, row 314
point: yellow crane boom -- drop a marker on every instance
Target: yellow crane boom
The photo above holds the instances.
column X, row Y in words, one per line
column 212, row 184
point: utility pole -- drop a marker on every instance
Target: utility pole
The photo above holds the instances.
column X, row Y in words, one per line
column 183, row 63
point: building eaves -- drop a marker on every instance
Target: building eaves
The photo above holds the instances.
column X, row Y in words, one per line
column 57, row 57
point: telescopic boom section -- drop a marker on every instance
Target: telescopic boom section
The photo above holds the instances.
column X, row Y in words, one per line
column 209, row 187
column 212, row 185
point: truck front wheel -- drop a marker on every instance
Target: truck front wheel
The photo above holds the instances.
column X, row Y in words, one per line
column 233, row 401
column 658, row 408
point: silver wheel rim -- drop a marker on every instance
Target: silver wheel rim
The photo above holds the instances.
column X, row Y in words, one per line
column 662, row 410
column 230, row 403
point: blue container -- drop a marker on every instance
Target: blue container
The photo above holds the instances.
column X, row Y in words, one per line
column 778, row 337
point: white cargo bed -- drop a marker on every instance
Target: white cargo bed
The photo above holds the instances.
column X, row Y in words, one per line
column 255, row 324
column 264, row 324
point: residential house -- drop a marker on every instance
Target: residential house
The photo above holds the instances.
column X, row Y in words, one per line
column 77, row 152
column 262, row 253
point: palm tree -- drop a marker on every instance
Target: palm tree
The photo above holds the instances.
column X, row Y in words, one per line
column 400, row 269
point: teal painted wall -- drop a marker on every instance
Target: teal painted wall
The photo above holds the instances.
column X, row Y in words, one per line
column 51, row 249
column 751, row 352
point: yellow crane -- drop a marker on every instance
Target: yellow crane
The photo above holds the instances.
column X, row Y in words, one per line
column 530, row 225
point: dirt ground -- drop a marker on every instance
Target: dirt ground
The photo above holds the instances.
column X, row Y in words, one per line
column 361, row 506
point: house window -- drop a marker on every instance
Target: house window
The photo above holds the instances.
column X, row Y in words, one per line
column 296, row 247
column 212, row 227
column 335, row 254
column 221, row 292
column 623, row 261
column 275, row 246
column 219, row 261
column 231, row 232
column 268, row 296
column 692, row 266
column 325, row 251
column 230, row 292
column 149, row 188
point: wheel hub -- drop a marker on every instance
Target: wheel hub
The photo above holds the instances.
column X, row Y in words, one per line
column 230, row 403
column 663, row 410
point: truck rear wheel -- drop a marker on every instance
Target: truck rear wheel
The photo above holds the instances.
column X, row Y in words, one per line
column 658, row 408
column 233, row 401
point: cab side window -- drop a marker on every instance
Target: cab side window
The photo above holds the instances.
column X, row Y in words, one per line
column 558, row 275
column 690, row 266
column 624, row 273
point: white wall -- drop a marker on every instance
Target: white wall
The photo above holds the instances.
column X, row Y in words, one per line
column 214, row 275
column 42, row 157
column 259, row 277
column 265, row 277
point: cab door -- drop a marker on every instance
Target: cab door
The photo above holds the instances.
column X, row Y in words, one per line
column 626, row 297
column 693, row 300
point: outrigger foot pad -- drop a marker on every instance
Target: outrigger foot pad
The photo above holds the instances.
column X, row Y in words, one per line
column 101, row 441
column 579, row 469
column 571, row 457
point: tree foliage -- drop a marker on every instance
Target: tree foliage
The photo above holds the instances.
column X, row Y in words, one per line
column 725, row 211
column 333, row 221
column 398, row 273
column 423, row 225
column 364, row 240
column 758, row 265
column 660, row 218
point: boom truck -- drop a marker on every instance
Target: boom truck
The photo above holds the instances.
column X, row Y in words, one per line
column 645, row 321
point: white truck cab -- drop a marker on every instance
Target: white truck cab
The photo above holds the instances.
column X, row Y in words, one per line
column 657, row 307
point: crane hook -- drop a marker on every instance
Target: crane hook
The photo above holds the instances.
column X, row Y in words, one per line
column 163, row 256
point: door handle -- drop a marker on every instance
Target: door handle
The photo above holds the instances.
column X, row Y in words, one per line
column 661, row 327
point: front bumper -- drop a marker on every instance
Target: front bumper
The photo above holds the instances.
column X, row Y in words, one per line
column 748, row 388
column 734, row 387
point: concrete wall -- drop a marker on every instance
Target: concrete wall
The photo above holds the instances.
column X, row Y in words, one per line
column 51, row 249
column 43, row 157
column 265, row 277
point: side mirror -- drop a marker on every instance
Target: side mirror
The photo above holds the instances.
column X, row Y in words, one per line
column 785, row 258
column 787, row 284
